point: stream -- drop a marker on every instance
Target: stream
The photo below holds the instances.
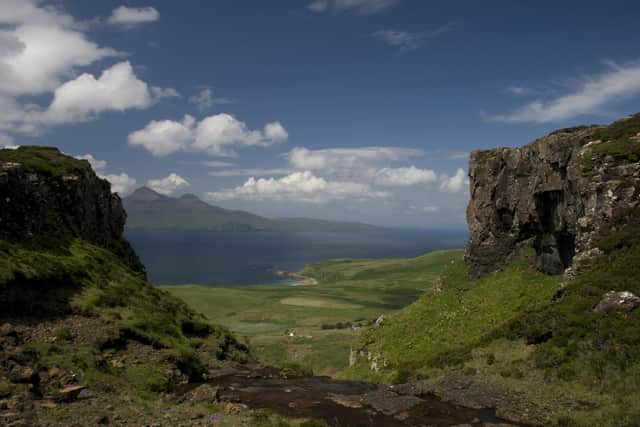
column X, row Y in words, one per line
column 341, row 403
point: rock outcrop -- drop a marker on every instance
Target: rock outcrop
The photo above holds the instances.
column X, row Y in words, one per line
column 557, row 193
column 617, row 301
column 47, row 197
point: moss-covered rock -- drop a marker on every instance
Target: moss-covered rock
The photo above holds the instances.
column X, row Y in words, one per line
column 48, row 198
column 560, row 191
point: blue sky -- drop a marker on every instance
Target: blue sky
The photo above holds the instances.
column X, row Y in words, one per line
column 342, row 109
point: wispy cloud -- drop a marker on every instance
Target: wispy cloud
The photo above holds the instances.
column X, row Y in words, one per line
column 359, row 163
column 590, row 97
column 129, row 17
column 359, row 7
column 218, row 164
column 516, row 90
column 251, row 172
column 406, row 40
column 404, row 177
column 423, row 209
column 205, row 99
column 458, row 155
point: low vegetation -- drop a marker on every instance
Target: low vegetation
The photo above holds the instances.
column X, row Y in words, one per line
column 620, row 145
column 313, row 326
column 442, row 328
column 515, row 330
column 86, row 279
column 44, row 160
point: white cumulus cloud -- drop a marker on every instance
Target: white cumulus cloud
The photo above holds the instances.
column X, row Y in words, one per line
column 454, row 184
column 218, row 135
column 595, row 93
column 165, row 137
column 97, row 165
column 122, row 184
column 40, row 47
column 41, row 51
column 132, row 16
column 298, row 187
column 169, row 184
column 116, row 89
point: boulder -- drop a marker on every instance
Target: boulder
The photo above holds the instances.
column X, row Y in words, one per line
column 390, row 403
column 204, row 393
column 617, row 301
column 70, row 393
column 23, row 374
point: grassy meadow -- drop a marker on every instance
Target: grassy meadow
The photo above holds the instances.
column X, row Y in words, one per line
column 320, row 316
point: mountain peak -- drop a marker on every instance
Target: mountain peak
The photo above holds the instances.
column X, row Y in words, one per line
column 190, row 196
column 146, row 194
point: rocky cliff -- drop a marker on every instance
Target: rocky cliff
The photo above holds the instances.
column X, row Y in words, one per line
column 47, row 197
column 555, row 193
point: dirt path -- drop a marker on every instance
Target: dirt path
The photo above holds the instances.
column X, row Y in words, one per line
column 342, row 403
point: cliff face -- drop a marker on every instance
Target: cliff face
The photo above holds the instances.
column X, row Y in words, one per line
column 46, row 197
column 557, row 193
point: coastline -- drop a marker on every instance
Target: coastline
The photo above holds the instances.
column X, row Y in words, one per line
column 299, row 278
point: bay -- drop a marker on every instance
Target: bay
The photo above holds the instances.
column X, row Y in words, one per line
column 204, row 257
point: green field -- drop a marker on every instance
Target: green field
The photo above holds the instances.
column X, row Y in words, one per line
column 349, row 292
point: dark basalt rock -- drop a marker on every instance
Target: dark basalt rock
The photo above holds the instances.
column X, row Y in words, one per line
column 557, row 192
column 47, row 197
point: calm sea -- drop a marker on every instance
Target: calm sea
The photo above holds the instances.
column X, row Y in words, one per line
column 248, row 258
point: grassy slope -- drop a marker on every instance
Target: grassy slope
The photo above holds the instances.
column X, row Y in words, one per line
column 586, row 373
column 349, row 291
column 442, row 328
column 132, row 308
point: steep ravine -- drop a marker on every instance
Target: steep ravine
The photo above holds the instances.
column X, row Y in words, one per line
column 85, row 340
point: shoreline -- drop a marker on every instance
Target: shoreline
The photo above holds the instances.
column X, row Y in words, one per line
column 302, row 280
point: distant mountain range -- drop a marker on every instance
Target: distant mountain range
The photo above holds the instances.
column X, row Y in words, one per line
column 151, row 210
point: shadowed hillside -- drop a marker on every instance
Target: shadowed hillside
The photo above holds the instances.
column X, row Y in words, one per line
column 547, row 332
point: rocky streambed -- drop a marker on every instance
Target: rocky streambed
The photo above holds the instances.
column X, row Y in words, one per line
column 339, row 403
